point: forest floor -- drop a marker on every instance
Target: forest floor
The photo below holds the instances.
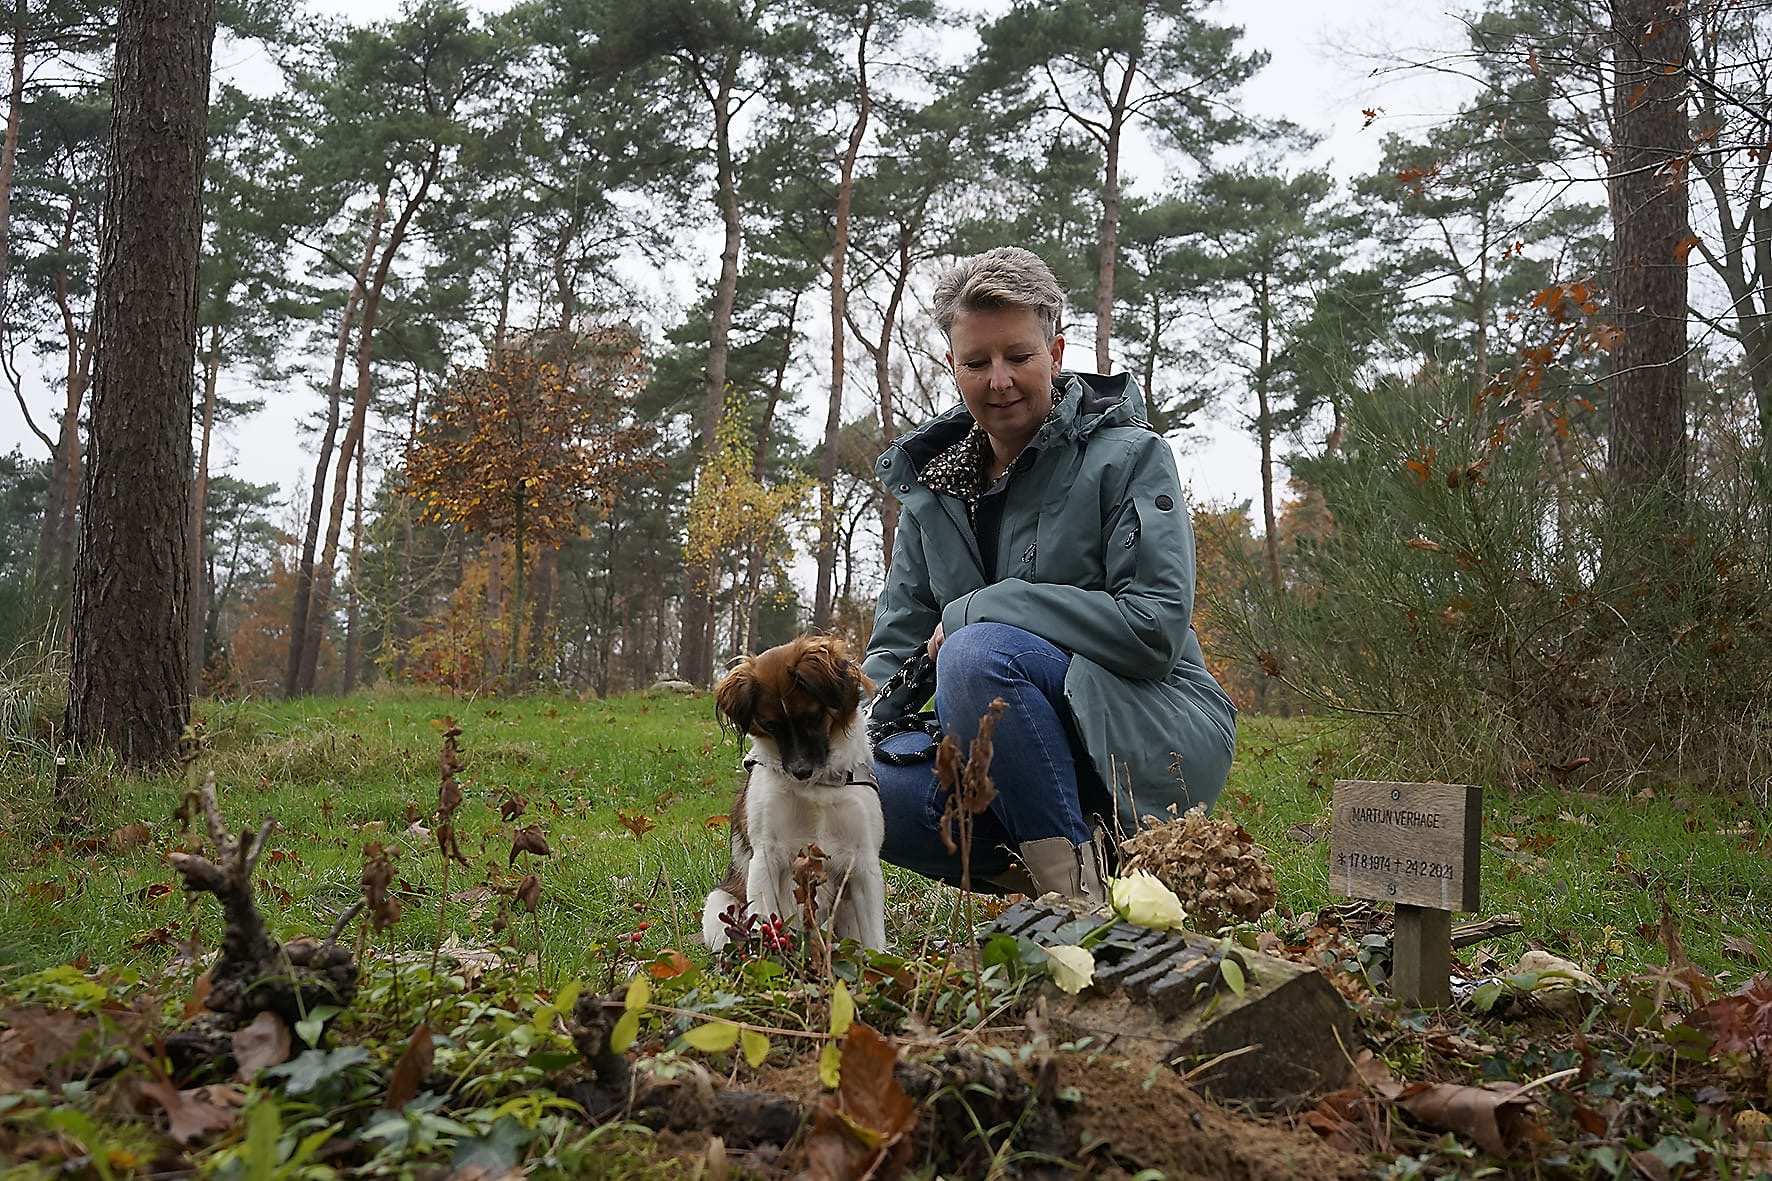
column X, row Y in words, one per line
column 542, row 1005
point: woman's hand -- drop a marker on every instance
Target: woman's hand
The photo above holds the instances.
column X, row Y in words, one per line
column 934, row 644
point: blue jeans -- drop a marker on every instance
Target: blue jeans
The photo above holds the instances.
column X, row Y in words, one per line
column 1041, row 773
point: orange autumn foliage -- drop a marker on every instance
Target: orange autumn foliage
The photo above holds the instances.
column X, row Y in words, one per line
column 515, row 448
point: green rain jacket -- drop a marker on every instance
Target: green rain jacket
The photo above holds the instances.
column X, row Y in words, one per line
column 1095, row 555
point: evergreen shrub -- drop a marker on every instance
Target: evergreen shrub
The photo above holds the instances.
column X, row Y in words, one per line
column 1500, row 614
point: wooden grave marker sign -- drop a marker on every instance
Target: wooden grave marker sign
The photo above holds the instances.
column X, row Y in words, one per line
column 1417, row 845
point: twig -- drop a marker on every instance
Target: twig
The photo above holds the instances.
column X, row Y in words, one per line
column 345, row 919
column 809, row 1034
column 1543, row 1080
column 1218, row 1059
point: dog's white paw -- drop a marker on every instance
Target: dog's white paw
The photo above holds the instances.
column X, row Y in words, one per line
column 713, row 928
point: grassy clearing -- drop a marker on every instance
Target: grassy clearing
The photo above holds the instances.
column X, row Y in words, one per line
column 631, row 796
column 632, row 792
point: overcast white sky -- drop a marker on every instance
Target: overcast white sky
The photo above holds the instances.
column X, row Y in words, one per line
column 1321, row 76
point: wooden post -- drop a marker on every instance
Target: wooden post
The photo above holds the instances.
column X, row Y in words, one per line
column 60, row 791
column 1417, row 845
column 1421, row 956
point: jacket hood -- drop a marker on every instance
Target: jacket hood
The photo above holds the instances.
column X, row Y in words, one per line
column 1092, row 401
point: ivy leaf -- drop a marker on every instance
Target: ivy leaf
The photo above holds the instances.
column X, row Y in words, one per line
column 315, row 1066
column 712, row 1037
column 313, row 1025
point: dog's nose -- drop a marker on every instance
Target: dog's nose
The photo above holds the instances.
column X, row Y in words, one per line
column 800, row 771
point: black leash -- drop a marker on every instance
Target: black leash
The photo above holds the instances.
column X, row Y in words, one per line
column 918, row 676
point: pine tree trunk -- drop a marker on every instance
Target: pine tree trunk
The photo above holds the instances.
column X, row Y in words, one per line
column 1646, row 423
column 304, row 571
column 199, row 629
column 129, row 689
column 695, row 658
column 353, row 637
column 55, row 553
column 1110, row 224
column 15, row 103
column 494, row 655
column 1265, row 427
column 833, row 422
column 321, row 606
column 883, row 384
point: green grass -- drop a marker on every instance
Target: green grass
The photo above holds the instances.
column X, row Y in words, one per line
column 340, row 774
column 1585, row 873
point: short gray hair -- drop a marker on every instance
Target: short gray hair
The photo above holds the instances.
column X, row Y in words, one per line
column 1006, row 277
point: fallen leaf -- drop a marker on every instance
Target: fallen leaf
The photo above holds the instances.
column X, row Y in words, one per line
column 1651, row 1166
column 668, row 964
column 127, row 838
column 1743, row 947
column 637, row 823
column 1306, row 834
column 45, row 1045
column 263, row 1043
column 199, row 996
column 1694, row 981
column 1497, row 1121
column 861, row 1131
column 410, row 1070
column 197, row 1113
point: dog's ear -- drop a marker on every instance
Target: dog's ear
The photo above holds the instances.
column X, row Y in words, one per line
column 825, row 672
column 736, row 695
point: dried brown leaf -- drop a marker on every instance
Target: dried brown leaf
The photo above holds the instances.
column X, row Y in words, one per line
column 378, row 875
column 410, row 1070
column 529, row 840
column 863, row 1130
column 265, row 1042
column 47, row 1045
column 1742, row 947
column 1694, row 981
column 127, row 838
column 1497, row 1121
column 198, row 1113
column 529, row 892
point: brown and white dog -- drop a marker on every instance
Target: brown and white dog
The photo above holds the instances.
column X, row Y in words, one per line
column 808, row 781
